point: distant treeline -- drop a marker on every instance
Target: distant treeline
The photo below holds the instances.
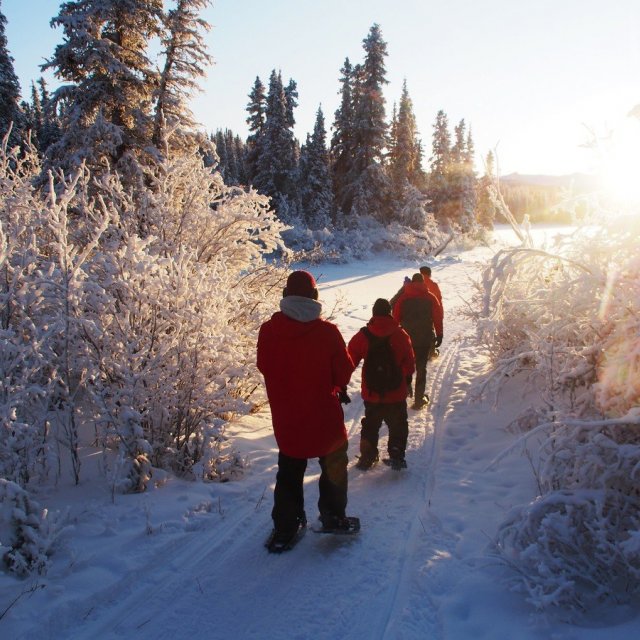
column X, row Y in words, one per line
column 561, row 199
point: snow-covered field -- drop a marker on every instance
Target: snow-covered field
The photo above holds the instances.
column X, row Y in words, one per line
column 186, row 560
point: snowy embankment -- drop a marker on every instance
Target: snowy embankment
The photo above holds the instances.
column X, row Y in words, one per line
column 185, row 560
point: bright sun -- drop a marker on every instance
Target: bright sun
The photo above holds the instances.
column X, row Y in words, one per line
column 620, row 170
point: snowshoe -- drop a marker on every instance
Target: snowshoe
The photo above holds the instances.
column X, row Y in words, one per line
column 366, row 462
column 349, row 525
column 418, row 404
column 280, row 541
column 397, row 464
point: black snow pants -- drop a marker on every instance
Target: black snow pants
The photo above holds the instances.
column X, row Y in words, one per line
column 395, row 415
column 288, row 496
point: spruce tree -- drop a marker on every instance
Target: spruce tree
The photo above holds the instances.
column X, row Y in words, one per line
column 367, row 183
column 486, row 209
column 109, row 81
column 439, row 189
column 10, row 113
column 470, row 199
column 276, row 162
column 405, row 152
column 185, row 56
column 342, row 143
column 256, row 108
column 315, row 189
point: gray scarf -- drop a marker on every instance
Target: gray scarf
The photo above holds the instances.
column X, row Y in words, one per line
column 300, row 308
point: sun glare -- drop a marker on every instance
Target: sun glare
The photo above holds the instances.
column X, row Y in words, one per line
column 621, row 164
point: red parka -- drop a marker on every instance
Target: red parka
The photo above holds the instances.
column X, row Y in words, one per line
column 420, row 290
column 401, row 347
column 433, row 286
column 304, row 364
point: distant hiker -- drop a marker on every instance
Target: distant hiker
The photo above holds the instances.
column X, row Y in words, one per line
column 395, row 297
column 431, row 284
column 388, row 362
column 305, row 363
column 419, row 312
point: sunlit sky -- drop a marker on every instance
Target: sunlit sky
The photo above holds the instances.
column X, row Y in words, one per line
column 531, row 78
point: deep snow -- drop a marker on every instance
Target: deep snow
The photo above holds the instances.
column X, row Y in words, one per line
column 186, row 560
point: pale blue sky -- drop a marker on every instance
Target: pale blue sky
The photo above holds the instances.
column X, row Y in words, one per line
column 528, row 76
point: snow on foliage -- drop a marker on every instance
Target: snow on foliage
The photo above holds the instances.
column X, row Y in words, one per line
column 129, row 323
column 566, row 317
column 27, row 532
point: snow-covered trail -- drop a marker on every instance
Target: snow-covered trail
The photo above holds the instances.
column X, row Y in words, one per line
column 371, row 586
column 187, row 560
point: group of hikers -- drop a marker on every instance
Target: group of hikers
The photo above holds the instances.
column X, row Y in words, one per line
column 307, row 365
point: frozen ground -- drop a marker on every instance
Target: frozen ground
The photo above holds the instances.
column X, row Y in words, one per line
column 187, row 560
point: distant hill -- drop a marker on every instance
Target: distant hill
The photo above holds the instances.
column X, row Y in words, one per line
column 577, row 182
column 546, row 198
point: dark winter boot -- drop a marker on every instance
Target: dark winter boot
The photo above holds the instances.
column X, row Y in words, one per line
column 366, row 462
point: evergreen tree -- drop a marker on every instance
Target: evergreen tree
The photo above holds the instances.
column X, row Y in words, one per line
column 10, row 114
column 276, row 162
column 40, row 118
column 469, row 189
column 185, row 56
column 230, row 152
column 456, row 177
column 342, row 143
column 486, row 208
column 109, row 81
column 51, row 129
column 315, row 190
column 256, row 108
column 291, row 100
column 440, row 162
column 367, row 182
column 405, row 152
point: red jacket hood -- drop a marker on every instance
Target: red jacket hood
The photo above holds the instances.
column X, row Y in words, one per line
column 382, row 325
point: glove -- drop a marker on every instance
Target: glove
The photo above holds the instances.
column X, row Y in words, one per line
column 343, row 397
column 438, row 341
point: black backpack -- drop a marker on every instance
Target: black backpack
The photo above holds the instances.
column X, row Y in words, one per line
column 381, row 371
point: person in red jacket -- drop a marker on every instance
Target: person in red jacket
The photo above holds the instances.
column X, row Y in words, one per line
column 419, row 313
column 305, row 364
column 390, row 406
column 432, row 285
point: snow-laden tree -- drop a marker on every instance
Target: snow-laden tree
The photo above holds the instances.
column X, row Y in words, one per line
column 405, row 153
column 460, row 206
column 185, row 58
column 177, row 324
column 486, row 207
column 315, row 190
column 10, row 113
column 231, row 152
column 108, row 80
column 564, row 320
column 28, row 533
column 256, row 108
column 439, row 168
column 367, row 180
column 342, row 143
column 26, row 370
column 276, row 160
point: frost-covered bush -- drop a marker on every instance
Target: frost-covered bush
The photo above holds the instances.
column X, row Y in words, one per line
column 28, row 533
column 26, row 373
column 574, row 549
column 133, row 312
column 562, row 314
column 567, row 317
column 175, row 348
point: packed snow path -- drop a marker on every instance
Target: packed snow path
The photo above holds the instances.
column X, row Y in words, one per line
column 186, row 560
